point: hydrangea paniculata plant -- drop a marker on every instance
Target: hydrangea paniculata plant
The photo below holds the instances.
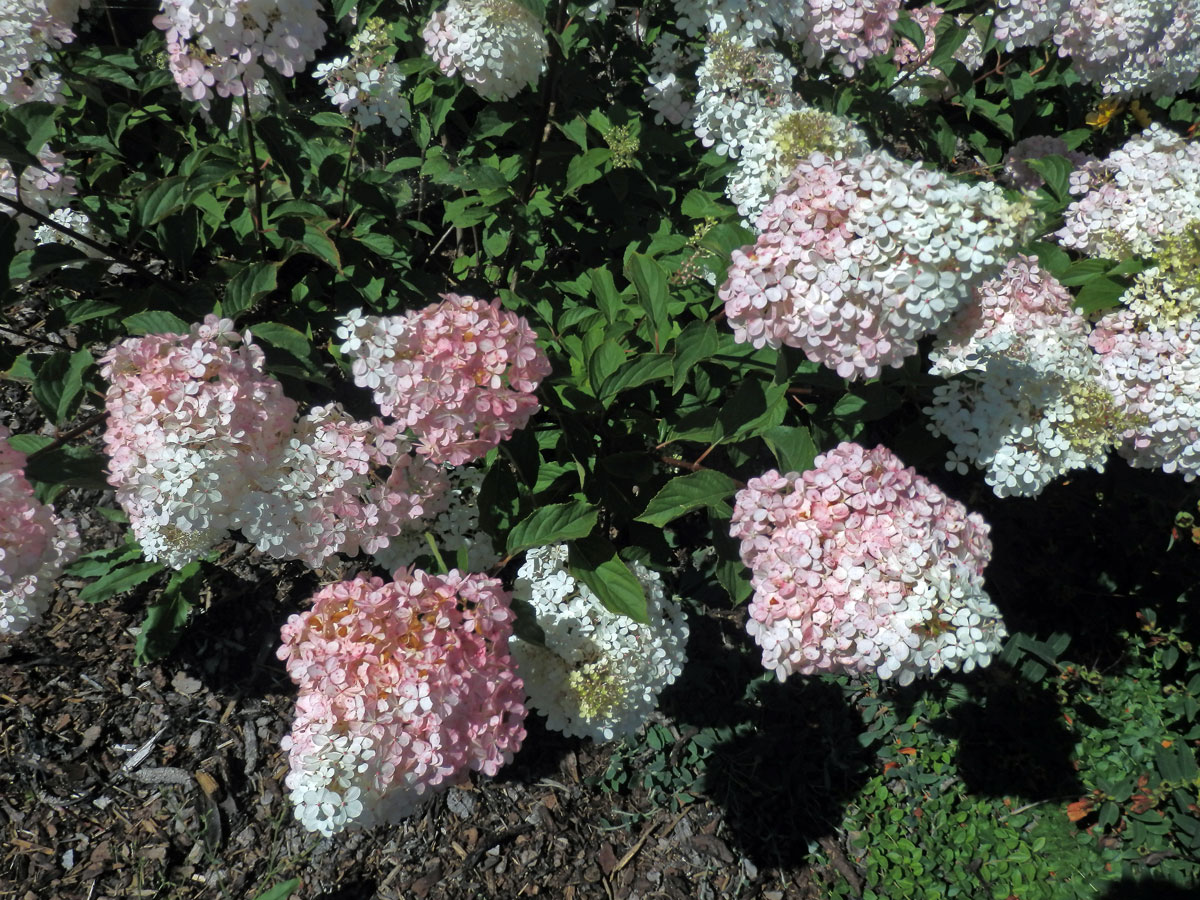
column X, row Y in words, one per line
column 862, row 565
column 366, row 84
column 405, row 687
column 35, row 545
column 498, row 46
column 460, row 373
column 858, row 258
column 599, row 675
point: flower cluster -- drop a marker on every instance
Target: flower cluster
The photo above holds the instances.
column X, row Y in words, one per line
column 862, row 565
column 858, row 258
column 460, row 373
column 193, row 423
column 405, row 687
column 35, row 545
column 849, row 32
column 29, row 29
column 498, row 45
column 1028, row 405
column 1128, row 47
column 43, row 189
column 451, row 520
column 1153, row 368
column 366, row 84
column 1142, row 193
column 599, row 674
column 326, row 491
column 214, row 46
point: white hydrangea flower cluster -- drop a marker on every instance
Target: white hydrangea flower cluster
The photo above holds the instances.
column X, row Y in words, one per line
column 498, row 46
column 366, row 84
column 68, row 218
column 1153, row 367
column 788, row 134
column 746, row 108
column 35, row 545
column 1128, row 47
column 453, row 522
column 42, row 189
column 214, row 46
column 29, row 29
column 599, row 675
column 1029, row 404
column 1134, row 199
column 859, row 258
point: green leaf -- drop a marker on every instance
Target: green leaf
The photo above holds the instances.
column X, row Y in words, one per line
column 585, row 168
column 1057, row 172
column 650, row 280
column 703, row 205
column 1084, row 270
column 163, row 625
column 695, row 343
column 155, row 321
column 318, row 243
column 792, row 447
column 248, row 286
column 118, row 581
column 160, row 201
column 603, row 362
column 604, row 289
column 594, row 561
column 552, row 525
column 280, row 891
column 680, row 495
column 1099, row 294
column 49, row 381
column 72, row 385
column 103, row 561
column 285, row 337
column 643, row 369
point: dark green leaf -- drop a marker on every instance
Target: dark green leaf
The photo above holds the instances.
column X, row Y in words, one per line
column 706, row 488
column 792, row 447
column 552, row 525
column 285, row 889
column 163, row 625
column 72, row 385
column 650, row 280
column 155, row 321
column 594, row 561
column 643, row 369
column 284, row 337
column 248, row 286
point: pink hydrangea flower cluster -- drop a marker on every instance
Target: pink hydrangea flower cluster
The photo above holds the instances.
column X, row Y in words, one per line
column 1018, row 172
column 1153, row 368
column 35, row 545
column 214, row 46
column 861, row 565
column 849, row 31
column 858, row 258
column 1028, row 405
column 326, row 490
column 498, row 46
column 29, row 30
column 43, row 190
column 460, row 373
column 193, row 423
column 1128, row 47
column 404, row 688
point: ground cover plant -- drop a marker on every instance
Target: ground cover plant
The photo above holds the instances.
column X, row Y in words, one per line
column 699, row 449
